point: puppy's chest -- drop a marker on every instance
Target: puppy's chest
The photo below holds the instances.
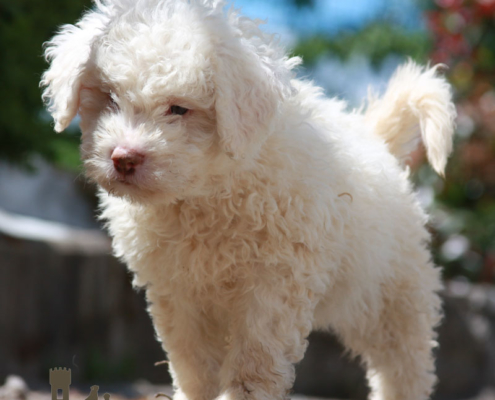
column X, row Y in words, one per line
column 213, row 253
column 221, row 250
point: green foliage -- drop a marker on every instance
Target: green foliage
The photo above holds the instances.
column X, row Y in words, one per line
column 25, row 130
column 376, row 41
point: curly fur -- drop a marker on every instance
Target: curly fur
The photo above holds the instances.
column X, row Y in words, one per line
column 264, row 212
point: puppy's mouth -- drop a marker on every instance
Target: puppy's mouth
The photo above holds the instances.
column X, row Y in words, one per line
column 124, row 179
column 126, row 187
column 119, row 185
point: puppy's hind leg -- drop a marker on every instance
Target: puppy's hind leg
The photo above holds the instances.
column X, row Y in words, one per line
column 397, row 348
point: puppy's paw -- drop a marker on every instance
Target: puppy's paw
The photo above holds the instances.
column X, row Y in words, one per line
column 239, row 391
column 248, row 391
column 205, row 393
column 179, row 395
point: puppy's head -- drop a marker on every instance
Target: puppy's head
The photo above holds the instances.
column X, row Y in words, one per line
column 171, row 94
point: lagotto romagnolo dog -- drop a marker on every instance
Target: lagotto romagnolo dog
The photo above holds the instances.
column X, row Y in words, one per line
column 252, row 208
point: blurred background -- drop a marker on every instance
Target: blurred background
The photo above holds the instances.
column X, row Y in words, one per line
column 65, row 302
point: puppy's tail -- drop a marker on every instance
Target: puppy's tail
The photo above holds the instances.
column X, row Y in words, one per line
column 417, row 105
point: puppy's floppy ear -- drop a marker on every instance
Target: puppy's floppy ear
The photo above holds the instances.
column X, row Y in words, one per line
column 249, row 89
column 68, row 53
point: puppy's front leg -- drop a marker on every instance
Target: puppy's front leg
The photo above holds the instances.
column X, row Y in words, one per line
column 268, row 335
column 193, row 345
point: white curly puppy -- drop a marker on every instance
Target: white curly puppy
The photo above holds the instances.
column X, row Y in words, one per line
column 250, row 207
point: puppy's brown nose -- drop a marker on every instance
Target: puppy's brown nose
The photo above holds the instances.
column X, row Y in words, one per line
column 125, row 161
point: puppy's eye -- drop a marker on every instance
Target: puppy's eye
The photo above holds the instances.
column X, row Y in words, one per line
column 178, row 110
column 113, row 104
